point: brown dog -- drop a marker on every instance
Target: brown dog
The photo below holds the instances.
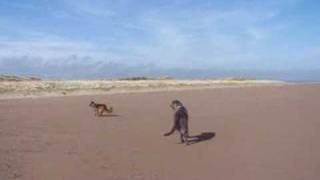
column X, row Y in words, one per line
column 100, row 108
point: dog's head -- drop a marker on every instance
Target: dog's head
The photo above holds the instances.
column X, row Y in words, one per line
column 175, row 103
column 92, row 103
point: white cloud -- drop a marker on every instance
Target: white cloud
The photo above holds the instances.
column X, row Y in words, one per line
column 202, row 38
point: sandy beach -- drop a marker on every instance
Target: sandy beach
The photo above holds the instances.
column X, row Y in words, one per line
column 259, row 132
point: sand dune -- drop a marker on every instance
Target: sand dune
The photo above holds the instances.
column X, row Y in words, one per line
column 50, row 88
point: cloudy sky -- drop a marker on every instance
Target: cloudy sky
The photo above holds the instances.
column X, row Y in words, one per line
column 184, row 38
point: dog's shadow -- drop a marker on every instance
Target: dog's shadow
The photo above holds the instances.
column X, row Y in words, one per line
column 205, row 136
column 109, row 115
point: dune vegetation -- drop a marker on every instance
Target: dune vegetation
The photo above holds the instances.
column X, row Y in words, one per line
column 17, row 86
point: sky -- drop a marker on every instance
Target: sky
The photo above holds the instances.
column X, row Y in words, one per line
column 87, row 39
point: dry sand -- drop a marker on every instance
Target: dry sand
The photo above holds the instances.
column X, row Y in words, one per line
column 260, row 133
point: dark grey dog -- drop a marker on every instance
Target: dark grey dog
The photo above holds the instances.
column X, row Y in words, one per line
column 180, row 121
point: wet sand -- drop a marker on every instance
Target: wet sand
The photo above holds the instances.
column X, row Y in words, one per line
column 249, row 133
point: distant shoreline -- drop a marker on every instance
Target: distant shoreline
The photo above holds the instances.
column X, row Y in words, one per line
column 38, row 89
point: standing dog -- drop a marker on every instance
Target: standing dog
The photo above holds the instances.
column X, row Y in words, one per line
column 180, row 121
column 100, row 108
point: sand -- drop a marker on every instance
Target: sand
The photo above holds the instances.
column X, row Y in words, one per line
column 259, row 133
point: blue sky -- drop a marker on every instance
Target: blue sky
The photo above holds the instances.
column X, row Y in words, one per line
column 100, row 38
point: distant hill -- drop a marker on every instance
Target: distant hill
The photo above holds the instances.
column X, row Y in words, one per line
column 17, row 78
